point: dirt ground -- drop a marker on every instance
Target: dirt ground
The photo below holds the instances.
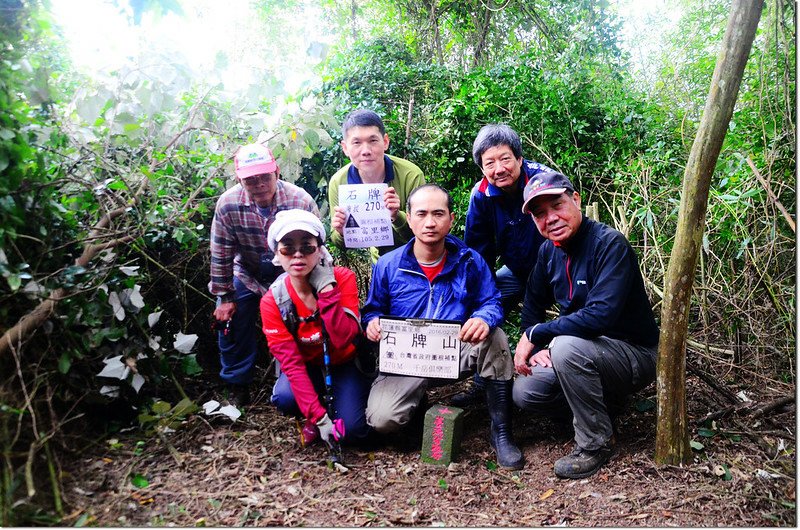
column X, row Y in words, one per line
column 212, row 472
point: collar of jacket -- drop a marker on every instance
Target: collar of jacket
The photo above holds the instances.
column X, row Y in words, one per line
column 455, row 251
column 354, row 178
column 576, row 240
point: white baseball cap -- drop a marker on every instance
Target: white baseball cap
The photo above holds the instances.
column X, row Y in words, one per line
column 290, row 220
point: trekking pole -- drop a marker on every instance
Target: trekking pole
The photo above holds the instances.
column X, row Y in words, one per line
column 335, row 449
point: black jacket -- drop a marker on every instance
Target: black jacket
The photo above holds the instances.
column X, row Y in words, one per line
column 596, row 282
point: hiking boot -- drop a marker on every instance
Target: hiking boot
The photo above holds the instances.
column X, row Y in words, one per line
column 472, row 396
column 582, row 462
column 239, row 395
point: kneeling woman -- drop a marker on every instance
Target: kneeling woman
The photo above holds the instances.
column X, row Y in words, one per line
column 312, row 301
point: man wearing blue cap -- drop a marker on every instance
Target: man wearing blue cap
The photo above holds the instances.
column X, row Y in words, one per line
column 603, row 344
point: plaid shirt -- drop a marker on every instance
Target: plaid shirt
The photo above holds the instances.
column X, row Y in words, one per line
column 239, row 236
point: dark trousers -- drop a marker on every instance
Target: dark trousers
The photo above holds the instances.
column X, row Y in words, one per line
column 586, row 376
column 350, row 392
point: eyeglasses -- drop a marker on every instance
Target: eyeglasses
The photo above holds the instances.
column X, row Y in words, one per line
column 305, row 250
column 255, row 180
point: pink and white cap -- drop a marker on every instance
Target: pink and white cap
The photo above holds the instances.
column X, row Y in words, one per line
column 254, row 159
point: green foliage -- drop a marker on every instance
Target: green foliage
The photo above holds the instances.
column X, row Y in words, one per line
column 133, row 161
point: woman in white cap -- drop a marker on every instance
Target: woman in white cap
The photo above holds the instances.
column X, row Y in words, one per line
column 312, row 300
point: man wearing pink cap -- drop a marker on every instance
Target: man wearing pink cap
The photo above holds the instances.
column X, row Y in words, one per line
column 241, row 261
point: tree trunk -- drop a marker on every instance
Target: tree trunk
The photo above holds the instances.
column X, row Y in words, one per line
column 672, row 435
column 483, row 32
column 433, row 20
column 354, row 20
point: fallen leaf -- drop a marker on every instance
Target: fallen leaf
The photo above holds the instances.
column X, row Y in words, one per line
column 109, row 391
column 153, row 318
column 229, row 411
column 638, row 516
column 210, row 406
column 546, row 494
column 129, row 270
column 116, row 305
column 184, row 343
column 114, row 367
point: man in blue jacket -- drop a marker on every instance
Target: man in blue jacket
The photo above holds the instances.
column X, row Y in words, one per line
column 436, row 276
column 603, row 344
column 495, row 225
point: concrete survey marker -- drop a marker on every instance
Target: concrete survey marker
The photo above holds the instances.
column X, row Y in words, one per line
column 441, row 438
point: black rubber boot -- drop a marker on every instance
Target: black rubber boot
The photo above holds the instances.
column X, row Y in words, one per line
column 239, row 395
column 498, row 398
column 472, row 396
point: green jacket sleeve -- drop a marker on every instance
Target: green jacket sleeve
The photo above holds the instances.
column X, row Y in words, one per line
column 333, row 202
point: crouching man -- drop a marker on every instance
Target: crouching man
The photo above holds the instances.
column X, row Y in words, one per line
column 436, row 276
column 604, row 342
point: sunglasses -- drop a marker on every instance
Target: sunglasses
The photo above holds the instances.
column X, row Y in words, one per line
column 305, row 250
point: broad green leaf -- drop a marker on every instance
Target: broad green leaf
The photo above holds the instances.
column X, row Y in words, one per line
column 14, row 281
column 139, row 481
column 312, row 139
column 64, row 362
column 706, row 433
column 185, row 407
column 190, row 366
column 491, row 465
column 697, row 446
column 161, row 407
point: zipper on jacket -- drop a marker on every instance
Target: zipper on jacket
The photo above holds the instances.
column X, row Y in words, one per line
column 569, row 279
column 430, row 292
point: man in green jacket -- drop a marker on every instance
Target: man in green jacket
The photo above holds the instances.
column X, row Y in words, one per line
column 364, row 141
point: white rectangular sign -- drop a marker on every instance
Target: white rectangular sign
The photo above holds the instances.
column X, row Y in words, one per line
column 369, row 223
column 418, row 347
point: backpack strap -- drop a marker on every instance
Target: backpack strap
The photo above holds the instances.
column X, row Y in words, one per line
column 287, row 308
column 285, row 305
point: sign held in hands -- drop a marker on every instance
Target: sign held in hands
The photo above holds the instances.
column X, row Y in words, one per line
column 420, row 347
column 369, row 222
